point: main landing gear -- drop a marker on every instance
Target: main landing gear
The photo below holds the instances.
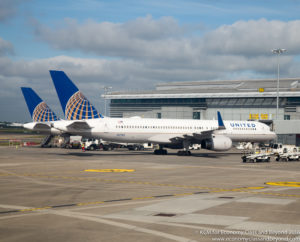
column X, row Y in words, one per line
column 185, row 151
column 160, row 151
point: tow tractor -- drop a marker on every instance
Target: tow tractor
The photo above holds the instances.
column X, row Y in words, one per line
column 257, row 155
column 287, row 154
column 97, row 144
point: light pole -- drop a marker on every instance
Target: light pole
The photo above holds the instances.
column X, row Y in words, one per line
column 277, row 52
column 105, row 92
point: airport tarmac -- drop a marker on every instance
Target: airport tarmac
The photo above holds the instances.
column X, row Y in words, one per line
column 69, row 195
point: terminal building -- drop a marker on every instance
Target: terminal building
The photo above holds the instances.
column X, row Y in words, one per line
column 235, row 99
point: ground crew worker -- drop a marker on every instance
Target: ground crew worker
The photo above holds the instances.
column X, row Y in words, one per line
column 82, row 147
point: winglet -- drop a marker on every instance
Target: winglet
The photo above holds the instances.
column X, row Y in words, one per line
column 74, row 104
column 39, row 110
column 220, row 122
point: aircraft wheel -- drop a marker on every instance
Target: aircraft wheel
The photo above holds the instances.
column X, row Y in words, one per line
column 160, row 152
column 184, row 153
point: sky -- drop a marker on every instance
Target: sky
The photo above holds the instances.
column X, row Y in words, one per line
column 133, row 45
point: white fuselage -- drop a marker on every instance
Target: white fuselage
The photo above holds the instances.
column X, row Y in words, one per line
column 140, row 130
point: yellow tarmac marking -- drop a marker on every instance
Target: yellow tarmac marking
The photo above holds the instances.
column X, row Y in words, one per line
column 210, row 189
column 88, row 203
column 109, row 170
column 285, row 184
column 33, row 209
column 149, row 197
column 255, row 188
column 130, row 182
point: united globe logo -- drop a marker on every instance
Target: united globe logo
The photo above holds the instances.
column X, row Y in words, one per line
column 78, row 108
column 42, row 113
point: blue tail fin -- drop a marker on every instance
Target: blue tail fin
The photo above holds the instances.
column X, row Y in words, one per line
column 39, row 110
column 74, row 104
column 220, row 122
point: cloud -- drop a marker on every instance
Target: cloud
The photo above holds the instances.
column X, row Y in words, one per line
column 5, row 47
column 143, row 37
column 8, row 8
column 254, row 38
column 165, row 44
column 146, row 51
column 166, row 39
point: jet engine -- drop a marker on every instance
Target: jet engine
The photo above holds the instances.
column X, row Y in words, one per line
column 217, row 143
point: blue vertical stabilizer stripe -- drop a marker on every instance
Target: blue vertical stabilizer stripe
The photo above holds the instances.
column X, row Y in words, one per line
column 31, row 98
column 220, row 121
column 65, row 88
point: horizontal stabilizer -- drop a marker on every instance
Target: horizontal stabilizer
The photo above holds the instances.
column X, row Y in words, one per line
column 70, row 126
column 37, row 126
column 42, row 126
column 79, row 125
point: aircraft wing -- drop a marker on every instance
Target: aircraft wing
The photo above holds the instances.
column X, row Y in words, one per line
column 203, row 135
column 165, row 138
column 175, row 138
column 194, row 137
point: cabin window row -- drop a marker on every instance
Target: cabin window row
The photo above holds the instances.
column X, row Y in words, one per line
column 159, row 127
column 244, row 128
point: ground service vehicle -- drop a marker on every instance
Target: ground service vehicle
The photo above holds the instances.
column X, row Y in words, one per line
column 257, row 155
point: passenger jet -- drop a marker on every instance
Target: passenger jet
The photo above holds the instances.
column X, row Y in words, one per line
column 83, row 119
